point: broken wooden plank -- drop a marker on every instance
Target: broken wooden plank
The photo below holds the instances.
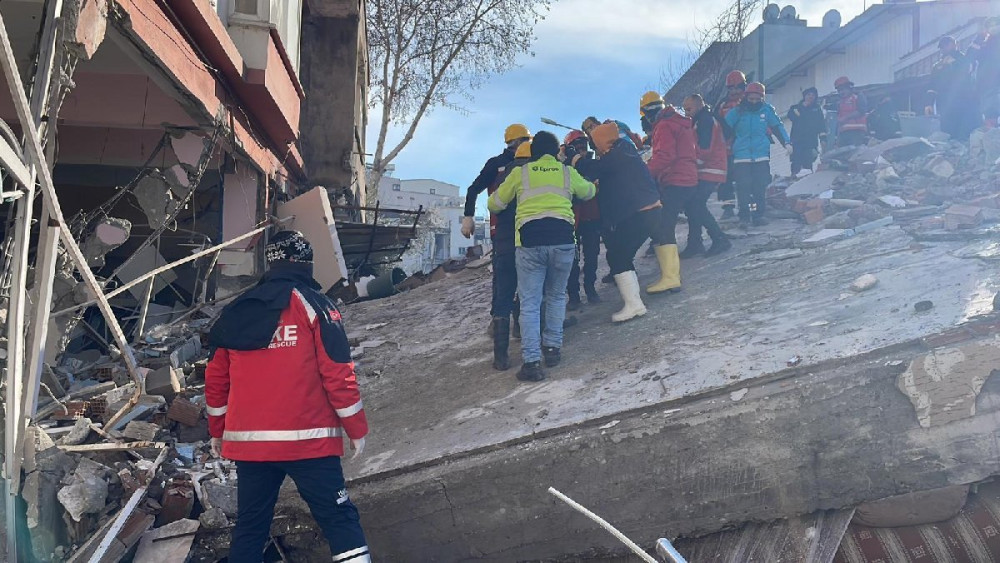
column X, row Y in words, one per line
column 111, row 447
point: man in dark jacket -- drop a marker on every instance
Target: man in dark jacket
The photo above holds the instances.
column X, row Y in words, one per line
column 808, row 128
column 712, row 153
column 588, row 231
column 514, row 136
column 883, row 121
column 957, row 103
column 985, row 51
column 281, row 393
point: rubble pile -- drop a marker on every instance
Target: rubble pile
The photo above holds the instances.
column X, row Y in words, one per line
column 110, row 472
column 934, row 188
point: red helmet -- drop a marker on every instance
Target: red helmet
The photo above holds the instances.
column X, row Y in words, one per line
column 735, row 78
column 755, row 88
column 573, row 136
column 842, row 81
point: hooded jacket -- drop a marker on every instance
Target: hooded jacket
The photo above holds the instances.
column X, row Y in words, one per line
column 674, row 162
column 625, row 184
column 808, row 123
column 750, row 128
column 280, row 384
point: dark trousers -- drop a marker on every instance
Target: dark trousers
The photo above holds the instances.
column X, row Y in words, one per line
column 320, row 481
column 675, row 199
column 803, row 156
column 700, row 218
column 752, row 179
column 588, row 242
column 627, row 236
column 504, row 283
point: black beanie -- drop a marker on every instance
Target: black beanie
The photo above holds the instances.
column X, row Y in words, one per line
column 289, row 245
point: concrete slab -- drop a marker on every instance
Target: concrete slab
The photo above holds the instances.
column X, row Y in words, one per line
column 814, row 184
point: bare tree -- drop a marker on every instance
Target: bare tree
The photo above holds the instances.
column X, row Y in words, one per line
column 728, row 29
column 427, row 53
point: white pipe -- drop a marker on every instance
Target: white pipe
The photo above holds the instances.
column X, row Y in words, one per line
column 604, row 524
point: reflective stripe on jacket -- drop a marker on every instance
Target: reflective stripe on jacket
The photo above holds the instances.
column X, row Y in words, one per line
column 295, row 399
column 544, row 188
column 846, row 108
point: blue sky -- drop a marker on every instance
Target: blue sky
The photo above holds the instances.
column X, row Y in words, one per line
column 592, row 57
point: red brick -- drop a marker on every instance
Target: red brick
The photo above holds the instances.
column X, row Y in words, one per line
column 813, row 216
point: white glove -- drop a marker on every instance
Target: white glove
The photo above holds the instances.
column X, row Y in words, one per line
column 468, row 226
column 359, row 445
column 216, row 447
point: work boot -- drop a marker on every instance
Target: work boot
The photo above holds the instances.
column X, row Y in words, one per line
column 693, row 248
column 531, row 371
column 552, row 356
column 628, row 287
column 574, row 302
column 670, row 269
column 501, row 342
column 718, row 247
column 592, row 296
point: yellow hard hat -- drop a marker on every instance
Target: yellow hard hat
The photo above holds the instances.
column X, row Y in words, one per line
column 523, row 150
column 515, row 131
column 649, row 99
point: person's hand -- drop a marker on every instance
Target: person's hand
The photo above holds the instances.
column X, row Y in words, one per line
column 468, row 226
column 216, row 447
column 357, row 446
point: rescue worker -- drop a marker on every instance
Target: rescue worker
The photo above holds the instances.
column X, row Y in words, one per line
column 985, row 51
column 674, row 167
column 281, row 393
column 513, row 136
column 852, row 110
column 504, row 267
column 750, row 122
column 883, row 121
column 957, row 104
column 736, row 85
column 630, row 209
column 588, row 231
column 711, row 152
column 544, row 190
column 808, row 128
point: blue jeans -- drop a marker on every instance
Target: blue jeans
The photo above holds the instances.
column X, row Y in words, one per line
column 542, row 271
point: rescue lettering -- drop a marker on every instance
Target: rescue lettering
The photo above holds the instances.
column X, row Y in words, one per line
column 285, row 337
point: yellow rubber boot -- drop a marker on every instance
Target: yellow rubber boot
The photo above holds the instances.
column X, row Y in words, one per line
column 670, row 269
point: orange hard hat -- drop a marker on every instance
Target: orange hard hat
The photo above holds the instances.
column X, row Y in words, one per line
column 573, row 135
column 755, row 88
column 735, row 78
column 842, row 81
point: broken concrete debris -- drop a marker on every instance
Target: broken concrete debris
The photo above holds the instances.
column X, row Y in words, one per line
column 864, row 283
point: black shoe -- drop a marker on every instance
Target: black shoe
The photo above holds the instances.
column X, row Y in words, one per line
column 608, row 279
column 727, row 213
column 552, row 356
column 501, row 342
column 692, row 250
column 574, row 302
column 718, row 247
column 531, row 371
column 592, row 296
column 760, row 221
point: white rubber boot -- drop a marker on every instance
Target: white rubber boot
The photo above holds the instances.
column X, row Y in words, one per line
column 628, row 286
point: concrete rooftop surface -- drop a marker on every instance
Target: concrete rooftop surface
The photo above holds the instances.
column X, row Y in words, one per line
column 767, row 305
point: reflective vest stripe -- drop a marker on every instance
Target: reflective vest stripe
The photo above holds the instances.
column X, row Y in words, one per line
column 349, row 411
column 281, row 435
column 352, row 554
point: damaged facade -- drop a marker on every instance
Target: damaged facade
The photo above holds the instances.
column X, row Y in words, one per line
column 164, row 144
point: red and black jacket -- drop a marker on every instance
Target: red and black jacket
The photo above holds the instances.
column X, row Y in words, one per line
column 280, row 384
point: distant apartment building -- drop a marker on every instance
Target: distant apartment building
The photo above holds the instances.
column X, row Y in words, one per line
column 440, row 229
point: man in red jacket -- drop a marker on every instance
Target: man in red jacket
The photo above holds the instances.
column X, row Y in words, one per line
column 281, row 394
column 674, row 166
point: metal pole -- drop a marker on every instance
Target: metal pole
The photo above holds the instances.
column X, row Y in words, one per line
column 141, row 323
column 45, row 268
